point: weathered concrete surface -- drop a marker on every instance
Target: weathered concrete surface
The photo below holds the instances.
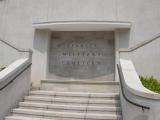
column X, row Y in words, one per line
column 144, row 15
column 82, row 55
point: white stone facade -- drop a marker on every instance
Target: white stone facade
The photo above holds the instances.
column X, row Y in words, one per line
column 17, row 18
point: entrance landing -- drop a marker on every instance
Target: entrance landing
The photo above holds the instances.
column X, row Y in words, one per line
column 98, row 86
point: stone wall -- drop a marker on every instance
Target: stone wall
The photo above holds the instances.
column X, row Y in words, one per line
column 7, row 55
column 17, row 16
column 146, row 59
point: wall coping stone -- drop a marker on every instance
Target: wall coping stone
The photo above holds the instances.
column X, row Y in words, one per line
column 82, row 25
column 132, row 81
column 12, row 70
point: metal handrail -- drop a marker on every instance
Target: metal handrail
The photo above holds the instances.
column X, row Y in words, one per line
column 141, row 44
column 12, row 80
column 14, row 47
column 125, row 97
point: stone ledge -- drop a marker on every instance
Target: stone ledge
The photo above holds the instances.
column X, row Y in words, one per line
column 82, row 25
column 132, row 81
column 81, row 82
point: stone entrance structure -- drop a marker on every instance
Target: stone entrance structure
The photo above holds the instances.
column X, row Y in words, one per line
column 82, row 55
column 79, row 50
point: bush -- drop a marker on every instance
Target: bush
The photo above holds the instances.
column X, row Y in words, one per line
column 151, row 83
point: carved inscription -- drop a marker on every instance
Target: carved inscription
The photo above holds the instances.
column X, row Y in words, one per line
column 83, row 58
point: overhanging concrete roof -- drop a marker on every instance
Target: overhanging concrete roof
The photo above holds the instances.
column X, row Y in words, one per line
column 82, row 25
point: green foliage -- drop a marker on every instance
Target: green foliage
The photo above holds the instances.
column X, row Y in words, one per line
column 151, row 83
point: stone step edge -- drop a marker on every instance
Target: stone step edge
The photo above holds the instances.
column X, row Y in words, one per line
column 74, row 94
column 70, row 107
column 64, row 114
column 15, row 117
column 80, row 82
column 62, row 100
column 18, row 117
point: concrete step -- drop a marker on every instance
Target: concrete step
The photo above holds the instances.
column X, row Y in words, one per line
column 15, row 117
column 53, row 114
column 23, row 117
column 19, row 117
column 80, row 86
column 70, row 108
column 72, row 101
column 75, row 94
column 74, row 111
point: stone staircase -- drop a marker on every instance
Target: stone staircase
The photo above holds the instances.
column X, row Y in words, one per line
column 68, row 105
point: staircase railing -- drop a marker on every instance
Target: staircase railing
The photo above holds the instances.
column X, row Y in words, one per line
column 123, row 93
column 9, row 53
column 27, row 64
column 120, row 72
column 14, row 47
column 15, row 78
column 140, row 44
